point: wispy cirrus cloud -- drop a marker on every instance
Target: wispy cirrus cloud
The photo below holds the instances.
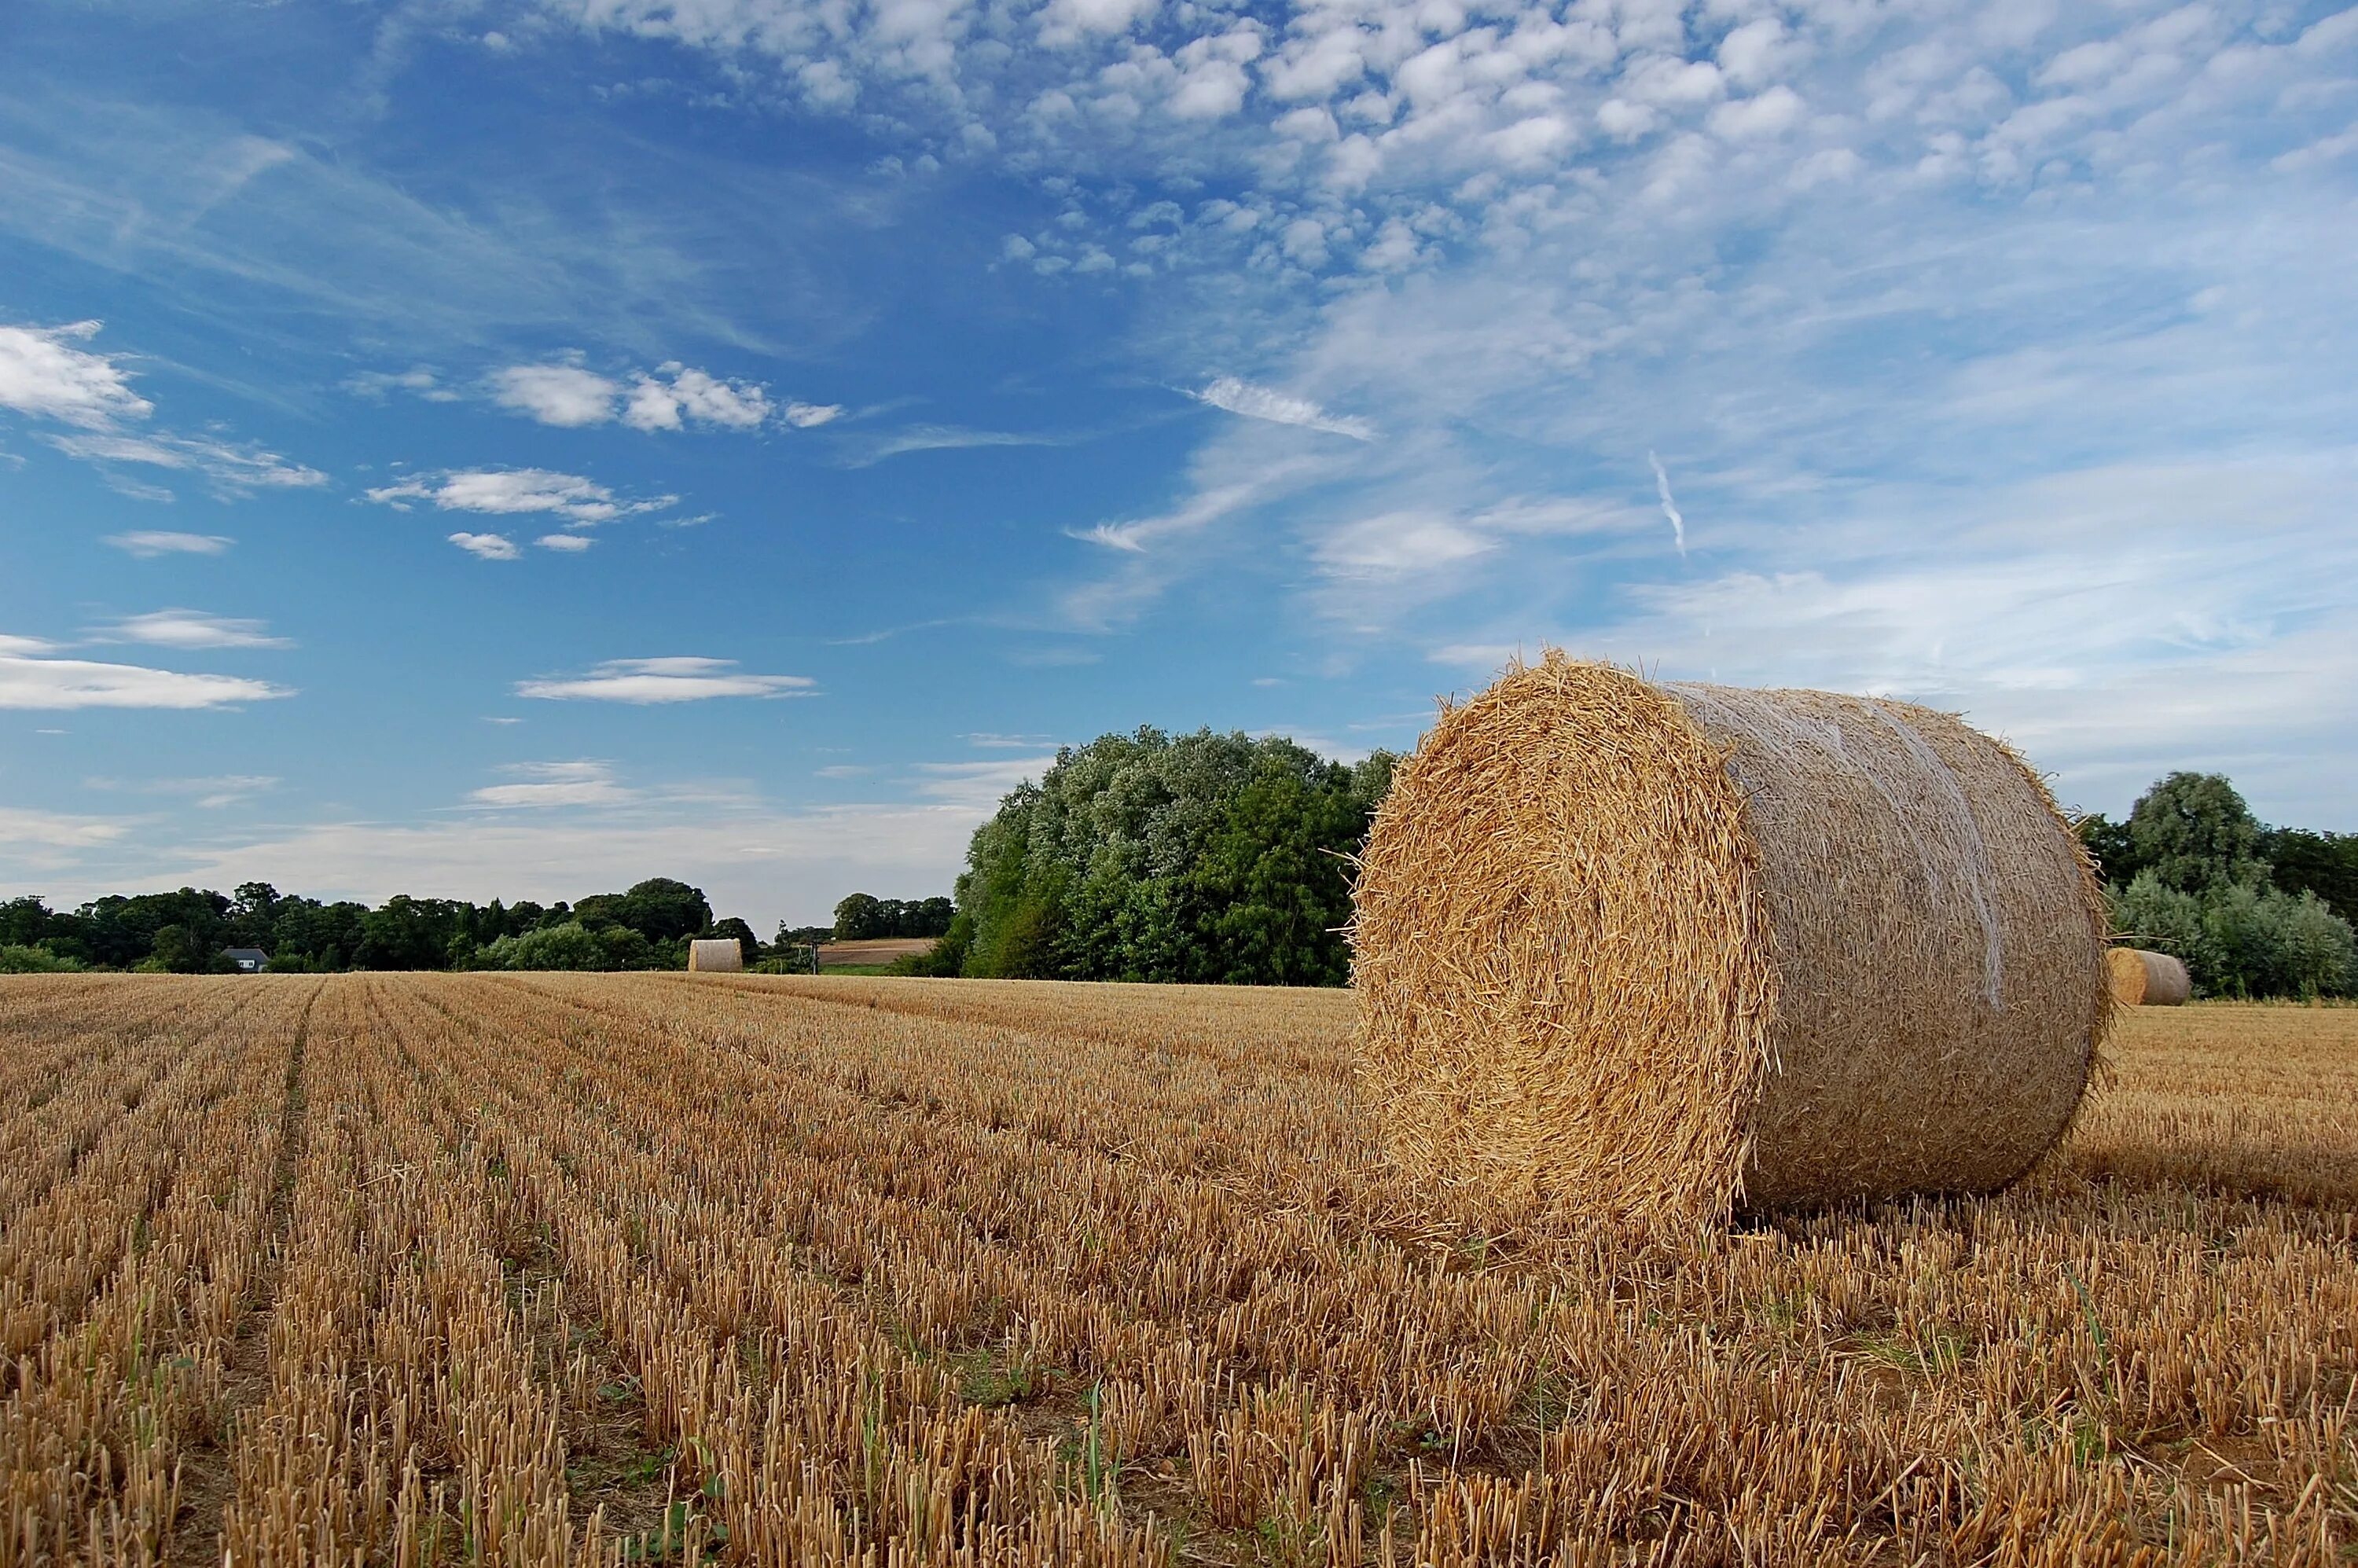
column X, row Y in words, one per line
column 149, row 543
column 1242, row 397
column 547, row 785
column 944, row 438
column 677, row 678
column 210, row 792
column 191, row 629
column 229, row 467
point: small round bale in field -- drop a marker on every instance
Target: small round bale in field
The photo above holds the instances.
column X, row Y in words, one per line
column 716, row 955
column 1647, row 952
column 2148, row 980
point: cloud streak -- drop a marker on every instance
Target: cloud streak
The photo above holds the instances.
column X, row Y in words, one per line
column 192, row 628
column 1669, row 507
column 32, row 679
column 146, row 544
column 1251, row 402
column 664, row 680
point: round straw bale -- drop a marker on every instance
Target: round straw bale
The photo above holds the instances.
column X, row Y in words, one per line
column 1651, row 952
column 718, row 955
column 2147, row 979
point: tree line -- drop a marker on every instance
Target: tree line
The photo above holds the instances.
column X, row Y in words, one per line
column 2251, row 911
column 1207, row 858
column 647, row 926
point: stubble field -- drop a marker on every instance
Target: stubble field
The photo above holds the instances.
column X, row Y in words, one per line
column 551, row 1270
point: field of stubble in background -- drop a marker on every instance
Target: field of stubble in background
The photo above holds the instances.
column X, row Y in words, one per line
column 548, row 1269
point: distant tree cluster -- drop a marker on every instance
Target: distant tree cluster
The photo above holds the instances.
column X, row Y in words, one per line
column 1142, row 857
column 2251, row 911
column 864, row 915
column 189, row 932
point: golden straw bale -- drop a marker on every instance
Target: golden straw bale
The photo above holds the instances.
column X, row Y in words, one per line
column 2147, row 979
column 716, row 955
column 1648, row 952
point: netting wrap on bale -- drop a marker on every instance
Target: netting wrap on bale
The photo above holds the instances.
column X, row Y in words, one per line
column 2148, row 980
column 721, row 955
column 1649, row 951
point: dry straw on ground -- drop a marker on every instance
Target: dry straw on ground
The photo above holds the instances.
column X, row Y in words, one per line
column 2147, row 979
column 1660, row 952
column 721, row 955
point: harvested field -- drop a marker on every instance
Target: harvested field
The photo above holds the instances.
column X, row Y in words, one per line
column 872, row 950
column 556, row 1269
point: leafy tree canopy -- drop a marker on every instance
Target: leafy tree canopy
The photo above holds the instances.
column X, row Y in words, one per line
column 1142, row 857
column 2194, row 833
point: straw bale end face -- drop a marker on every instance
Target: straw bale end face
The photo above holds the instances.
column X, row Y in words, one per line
column 1643, row 952
column 716, row 955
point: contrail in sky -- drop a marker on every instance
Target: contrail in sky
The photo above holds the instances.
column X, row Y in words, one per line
column 1669, row 507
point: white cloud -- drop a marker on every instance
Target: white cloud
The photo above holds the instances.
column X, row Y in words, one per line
column 31, row 680
column 210, row 794
column 944, row 438
column 1239, row 397
column 1772, row 114
column 1669, row 507
column 979, row 785
column 419, row 380
column 543, row 784
column 146, row 543
column 672, row 679
column 1066, row 22
column 232, row 468
column 487, row 546
column 192, row 628
column 56, row 830
column 562, row 395
column 673, row 396
column 565, row 544
column 42, row 374
column 1399, row 544
column 512, row 492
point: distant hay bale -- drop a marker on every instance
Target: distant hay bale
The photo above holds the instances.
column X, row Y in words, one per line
column 2147, row 979
column 716, row 955
column 1649, row 952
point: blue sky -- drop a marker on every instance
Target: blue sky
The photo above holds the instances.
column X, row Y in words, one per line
column 518, row 447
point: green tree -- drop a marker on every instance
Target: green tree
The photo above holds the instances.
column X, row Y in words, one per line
column 23, row 922
column 664, row 910
column 408, row 934
column 181, row 951
column 2194, row 833
column 1143, row 857
column 2323, row 863
column 253, row 913
column 858, row 917
column 567, row 947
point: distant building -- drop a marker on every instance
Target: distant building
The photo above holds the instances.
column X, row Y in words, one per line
column 249, row 960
